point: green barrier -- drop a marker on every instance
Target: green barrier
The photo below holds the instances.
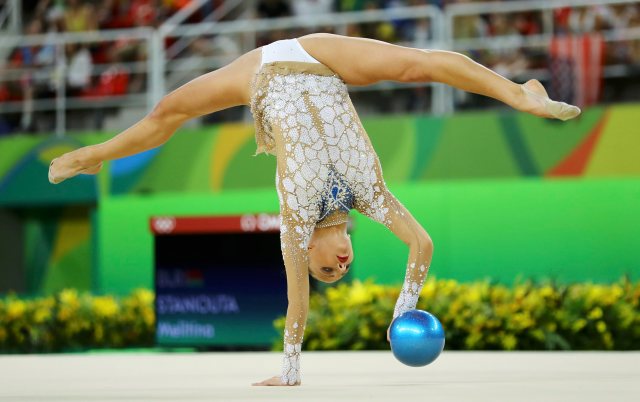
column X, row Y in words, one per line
column 564, row 230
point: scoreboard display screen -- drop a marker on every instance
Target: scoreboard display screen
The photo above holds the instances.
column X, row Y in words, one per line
column 219, row 281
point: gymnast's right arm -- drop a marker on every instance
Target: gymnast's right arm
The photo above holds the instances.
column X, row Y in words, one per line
column 211, row 92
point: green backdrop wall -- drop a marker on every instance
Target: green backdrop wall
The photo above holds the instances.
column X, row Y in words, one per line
column 570, row 230
column 503, row 194
column 603, row 142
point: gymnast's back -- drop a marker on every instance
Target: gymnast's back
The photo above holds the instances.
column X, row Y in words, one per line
column 304, row 116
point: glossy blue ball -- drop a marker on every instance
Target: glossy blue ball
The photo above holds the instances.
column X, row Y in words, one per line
column 417, row 338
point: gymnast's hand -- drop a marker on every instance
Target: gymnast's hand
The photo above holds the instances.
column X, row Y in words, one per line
column 273, row 381
column 536, row 101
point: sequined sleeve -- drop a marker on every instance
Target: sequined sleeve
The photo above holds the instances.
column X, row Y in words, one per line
column 295, row 232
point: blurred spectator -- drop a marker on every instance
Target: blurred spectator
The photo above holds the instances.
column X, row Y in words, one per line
column 420, row 33
column 627, row 16
column 128, row 14
column 225, row 46
column 631, row 48
column 25, row 57
column 411, row 32
column 561, row 20
column 375, row 29
column 510, row 64
column 79, row 69
column 499, row 25
column 32, row 74
column 273, row 8
column 528, row 24
column 114, row 81
column 79, row 16
column 147, row 13
column 309, row 8
column 469, row 26
column 582, row 20
column 357, row 5
column 33, row 68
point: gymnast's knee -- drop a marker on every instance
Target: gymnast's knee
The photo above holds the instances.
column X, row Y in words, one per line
column 414, row 66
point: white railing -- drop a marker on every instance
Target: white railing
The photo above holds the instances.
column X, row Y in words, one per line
column 248, row 31
column 165, row 69
column 11, row 17
column 56, row 73
column 177, row 19
column 543, row 40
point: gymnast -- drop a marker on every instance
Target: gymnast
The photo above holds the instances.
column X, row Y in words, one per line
column 326, row 165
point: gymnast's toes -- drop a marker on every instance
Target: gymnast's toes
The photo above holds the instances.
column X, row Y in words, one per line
column 562, row 111
column 52, row 177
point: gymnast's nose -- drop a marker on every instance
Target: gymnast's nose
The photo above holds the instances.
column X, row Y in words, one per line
column 343, row 268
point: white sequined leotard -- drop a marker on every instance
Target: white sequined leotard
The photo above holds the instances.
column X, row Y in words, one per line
column 325, row 166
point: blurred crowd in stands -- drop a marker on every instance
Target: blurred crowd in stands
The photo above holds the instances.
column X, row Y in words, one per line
column 99, row 69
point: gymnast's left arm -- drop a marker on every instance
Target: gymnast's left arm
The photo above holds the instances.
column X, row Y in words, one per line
column 295, row 232
column 296, row 266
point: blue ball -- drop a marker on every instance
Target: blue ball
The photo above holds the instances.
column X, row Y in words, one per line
column 417, row 338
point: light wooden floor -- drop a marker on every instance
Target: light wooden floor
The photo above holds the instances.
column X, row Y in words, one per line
column 327, row 376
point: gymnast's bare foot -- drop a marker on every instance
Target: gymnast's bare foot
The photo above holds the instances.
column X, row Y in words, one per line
column 72, row 164
column 537, row 102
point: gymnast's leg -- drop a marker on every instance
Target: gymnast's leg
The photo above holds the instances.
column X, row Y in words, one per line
column 371, row 61
column 217, row 90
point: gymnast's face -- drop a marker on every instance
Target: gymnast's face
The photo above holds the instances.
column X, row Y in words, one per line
column 330, row 253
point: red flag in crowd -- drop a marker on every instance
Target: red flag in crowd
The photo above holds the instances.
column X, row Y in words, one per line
column 576, row 68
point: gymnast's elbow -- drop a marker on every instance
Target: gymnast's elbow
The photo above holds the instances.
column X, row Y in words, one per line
column 423, row 243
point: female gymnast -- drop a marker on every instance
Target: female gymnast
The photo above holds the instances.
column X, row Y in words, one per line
column 326, row 164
